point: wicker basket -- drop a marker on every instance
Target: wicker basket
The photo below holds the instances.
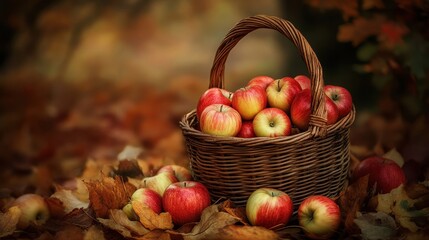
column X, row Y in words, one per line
column 312, row 162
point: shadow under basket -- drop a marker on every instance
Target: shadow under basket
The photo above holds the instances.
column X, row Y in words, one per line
column 312, row 162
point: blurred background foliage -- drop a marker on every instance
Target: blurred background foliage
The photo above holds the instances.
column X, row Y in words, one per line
column 82, row 79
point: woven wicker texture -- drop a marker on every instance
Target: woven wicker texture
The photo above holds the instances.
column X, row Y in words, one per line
column 312, row 162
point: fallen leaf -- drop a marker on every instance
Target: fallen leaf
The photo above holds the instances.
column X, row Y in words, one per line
column 233, row 232
column 69, row 200
column 80, row 217
column 94, row 232
column 9, row 220
column 69, row 232
column 108, row 193
column 359, row 29
column 56, row 207
column 376, row 226
column 121, row 218
column 110, row 223
column 239, row 213
column 130, row 153
column 370, row 4
column 150, row 219
column 155, row 235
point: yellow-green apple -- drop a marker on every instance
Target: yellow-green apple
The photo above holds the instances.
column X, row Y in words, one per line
column 159, row 182
column 185, row 201
column 383, row 173
column 341, row 97
column 212, row 96
column 281, row 92
column 272, row 122
column 268, row 207
column 220, row 120
column 319, row 216
column 303, row 81
column 250, row 100
column 246, row 130
column 262, row 81
column 145, row 196
column 34, row 210
column 180, row 172
column 301, row 109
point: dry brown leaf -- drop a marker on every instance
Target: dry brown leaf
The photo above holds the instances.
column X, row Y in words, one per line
column 108, row 193
column 150, row 219
column 155, row 235
column 9, row 220
column 233, row 232
column 56, row 207
column 239, row 213
column 110, row 223
column 80, row 217
column 369, row 4
column 121, row 218
column 69, row 200
column 69, row 232
column 359, row 30
column 94, row 232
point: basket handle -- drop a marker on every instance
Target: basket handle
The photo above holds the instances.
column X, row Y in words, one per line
column 317, row 125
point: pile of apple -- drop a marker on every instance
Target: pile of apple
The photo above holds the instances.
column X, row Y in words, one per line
column 267, row 108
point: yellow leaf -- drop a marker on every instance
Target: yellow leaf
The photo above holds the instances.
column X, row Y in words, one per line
column 233, row 232
column 9, row 220
column 150, row 219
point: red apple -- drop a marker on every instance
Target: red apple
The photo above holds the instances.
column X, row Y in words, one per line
column 185, row 201
column 220, row 120
column 268, row 208
column 34, row 210
column 319, row 216
column 212, row 96
column 246, row 130
column 384, row 173
column 301, row 109
column 281, row 92
column 303, row 81
column 272, row 122
column 248, row 101
column 180, row 172
column 159, row 182
column 262, row 81
column 146, row 196
column 341, row 97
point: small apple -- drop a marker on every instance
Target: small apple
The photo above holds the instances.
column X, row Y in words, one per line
column 180, row 172
column 303, row 81
column 269, row 207
column 384, row 173
column 301, row 109
column 185, row 201
column 146, row 196
column 250, row 100
column 272, row 122
column 262, row 81
column 220, row 120
column 159, row 182
column 341, row 97
column 281, row 92
column 246, row 130
column 319, row 216
column 212, row 96
column 34, row 210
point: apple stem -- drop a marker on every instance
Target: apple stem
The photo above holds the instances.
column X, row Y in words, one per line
column 184, row 184
column 278, row 85
column 221, row 106
column 272, row 194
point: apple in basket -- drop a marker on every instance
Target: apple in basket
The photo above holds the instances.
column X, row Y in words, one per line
column 281, row 92
column 250, row 100
column 272, row 122
column 220, row 120
column 301, row 109
column 180, row 172
column 34, row 210
column 384, row 173
column 146, row 196
column 185, row 201
column 246, row 130
column 303, row 81
column 269, row 207
column 341, row 97
column 319, row 216
column 262, row 81
column 212, row 96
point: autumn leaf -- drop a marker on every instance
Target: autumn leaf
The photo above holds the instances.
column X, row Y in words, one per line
column 233, row 232
column 349, row 8
column 374, row 226
column 370, row 4
column 69, row 200
column 360, row 29
column 150, row 219
column 392, row 33
column 9, row 220
column 94, row 232
column 155, row 235
column 126, row 227
column 108, row 193
column 239, row 213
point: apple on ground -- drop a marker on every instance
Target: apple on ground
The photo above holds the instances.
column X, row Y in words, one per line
column 319, row 216
column 212, row 96
column 341, row 97
column 159, row 182
column 34, row 210
column 262, row 81
column 384, row 173
column 180, row 172
column 146, row 196
column 272, row 122
column 301, row 109
column 246, row 130
column 220, row 120
column 185, row 201
column 268, row 207
column 281, row 92
column 250, row 100
column 303, row 81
